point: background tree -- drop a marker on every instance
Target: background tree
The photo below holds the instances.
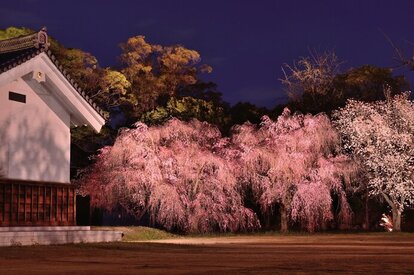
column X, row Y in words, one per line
column 310, row 80
column 402, row 59
column 203, row 90
column 291, row 163
column 367, row 83
column 157, row 72
column 314, row 84
column 12, row 32
column 106, row 86
column 186, row 108
column 381, row 136
column 245, row 111
column 171, row 173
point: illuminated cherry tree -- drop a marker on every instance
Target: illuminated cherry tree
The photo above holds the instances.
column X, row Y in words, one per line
column 172, row 173
column 381, row 136
column 291, row 162
column 188, row 178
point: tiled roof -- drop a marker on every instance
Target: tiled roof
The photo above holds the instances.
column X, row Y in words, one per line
column 16, row 51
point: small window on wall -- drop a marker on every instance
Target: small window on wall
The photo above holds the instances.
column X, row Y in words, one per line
column 17, row 97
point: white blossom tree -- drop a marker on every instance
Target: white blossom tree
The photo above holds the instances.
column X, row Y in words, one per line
column 381, row 136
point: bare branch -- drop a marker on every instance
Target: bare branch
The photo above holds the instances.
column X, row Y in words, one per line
column 399, row 56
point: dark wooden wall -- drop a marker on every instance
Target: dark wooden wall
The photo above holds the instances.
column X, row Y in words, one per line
column 31, row 203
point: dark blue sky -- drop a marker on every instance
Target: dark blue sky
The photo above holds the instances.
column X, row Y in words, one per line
column 246, row 42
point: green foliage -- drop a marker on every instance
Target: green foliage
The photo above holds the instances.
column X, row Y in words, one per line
column 12, row 32
column 367, row 83
column 186, row 109
column 84, row 68
column 141, row 233
column 245, row 111
column 90, row 141
column 204, row 90
column 156, row 72
column 114, row 88
column 115, row 81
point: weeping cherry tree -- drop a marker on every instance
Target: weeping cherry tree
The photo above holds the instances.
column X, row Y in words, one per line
column 292, row 163
column 171, row 173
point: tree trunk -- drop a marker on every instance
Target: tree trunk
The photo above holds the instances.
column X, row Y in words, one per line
column 396, row 212
column 284, row 219
column 365, row 225
column 268, row 219
column 396, row 220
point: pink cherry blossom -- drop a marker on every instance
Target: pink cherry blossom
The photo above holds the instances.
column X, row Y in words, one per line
column 172, row 173
column 293, row 162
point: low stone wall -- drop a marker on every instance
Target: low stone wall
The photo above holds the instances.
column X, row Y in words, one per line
column 56, row 235
column 43, row 228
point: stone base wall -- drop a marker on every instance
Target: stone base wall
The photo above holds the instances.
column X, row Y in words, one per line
column 16, row 236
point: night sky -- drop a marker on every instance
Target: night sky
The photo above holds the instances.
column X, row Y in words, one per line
column 245, row 42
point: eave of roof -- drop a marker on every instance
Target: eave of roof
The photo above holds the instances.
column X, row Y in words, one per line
column 23, row 48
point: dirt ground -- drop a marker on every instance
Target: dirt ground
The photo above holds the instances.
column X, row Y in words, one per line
column 339, row 253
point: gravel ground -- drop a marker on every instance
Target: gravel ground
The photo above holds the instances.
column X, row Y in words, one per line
column 339, row 253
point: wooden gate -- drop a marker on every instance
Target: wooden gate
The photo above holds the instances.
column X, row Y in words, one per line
column 31, row 203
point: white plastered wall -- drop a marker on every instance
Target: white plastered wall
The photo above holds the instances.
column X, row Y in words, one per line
column 34, row 136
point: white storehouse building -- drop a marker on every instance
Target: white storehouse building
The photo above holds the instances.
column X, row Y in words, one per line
column 39, row 102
